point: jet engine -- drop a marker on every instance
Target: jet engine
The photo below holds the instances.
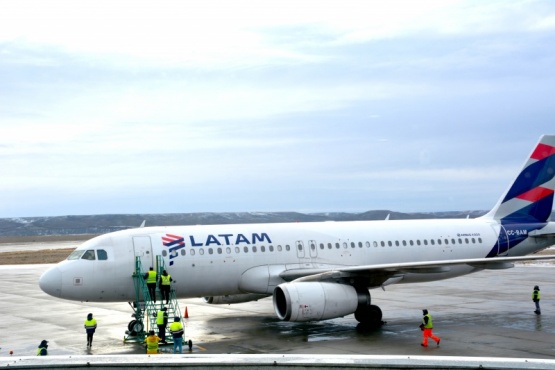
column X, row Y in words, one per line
column 311, row 301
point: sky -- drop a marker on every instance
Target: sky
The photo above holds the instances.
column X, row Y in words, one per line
column 116, row 107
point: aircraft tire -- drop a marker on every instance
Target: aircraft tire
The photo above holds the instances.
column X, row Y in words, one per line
column 370, row 316
column 190, row 344
column 135, row 326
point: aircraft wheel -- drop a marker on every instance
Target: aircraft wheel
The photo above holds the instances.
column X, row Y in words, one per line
column 135, row 326
column 370, row 316
column 190, row 343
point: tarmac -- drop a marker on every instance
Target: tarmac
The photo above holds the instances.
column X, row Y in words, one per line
column 487, row 314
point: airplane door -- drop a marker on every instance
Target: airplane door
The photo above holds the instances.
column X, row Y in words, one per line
column 313, row 249
column 300, row 249
column 143, row 248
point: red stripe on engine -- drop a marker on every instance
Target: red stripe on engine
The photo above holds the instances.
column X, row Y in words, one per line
column 535, row 194
column 542, row 151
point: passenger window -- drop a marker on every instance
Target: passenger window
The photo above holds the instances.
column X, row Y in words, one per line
column 228, row 250
column 182, row 252
column 254, row 249
column 337, row 245
column 404, row 243
column 425, row 242
column 246, row 249
column 237, row 250
column 382, row 243
column 287, row 247
column 321, row 245
column 480, row 240
column 102, row 255
column 192, row 252
column 390, row 243
column 271, row 248
column 88, row 255
column 263, row 249
column 396, row 243
column 201, row 251
column 352, row 244
column 219, row 250
column 329, row 246
column 375, row 244
column 164, row 253
column 279, row 248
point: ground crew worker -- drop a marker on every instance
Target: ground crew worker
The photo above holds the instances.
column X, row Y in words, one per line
column 177, row 333
column 90, row 327
column 150, row 278
column 427, row 327
column 42, row 350
column 165, row 280
column 162, row 321
column 152, row 343
column 536, row 299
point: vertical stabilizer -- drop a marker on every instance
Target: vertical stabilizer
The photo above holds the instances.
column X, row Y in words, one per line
column 530, row 196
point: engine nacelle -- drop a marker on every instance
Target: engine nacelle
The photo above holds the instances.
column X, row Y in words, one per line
column 312, row 301
column 234, row 298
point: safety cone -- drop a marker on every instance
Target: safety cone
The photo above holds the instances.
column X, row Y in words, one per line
column 186, row 313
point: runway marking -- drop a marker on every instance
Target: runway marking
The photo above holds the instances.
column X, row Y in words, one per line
column 201, row 348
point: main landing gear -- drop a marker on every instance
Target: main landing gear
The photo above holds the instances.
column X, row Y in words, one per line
column 369, row 316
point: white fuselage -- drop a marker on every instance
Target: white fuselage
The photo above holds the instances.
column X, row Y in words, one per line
column 218, row 260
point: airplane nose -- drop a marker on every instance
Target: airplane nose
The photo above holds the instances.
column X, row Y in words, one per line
column 51, row 282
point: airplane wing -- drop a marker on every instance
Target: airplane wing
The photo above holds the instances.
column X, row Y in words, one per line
column 377, row 275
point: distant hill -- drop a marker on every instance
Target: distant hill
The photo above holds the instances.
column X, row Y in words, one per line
column 99, row 224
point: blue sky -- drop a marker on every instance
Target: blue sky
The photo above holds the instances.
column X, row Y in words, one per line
column 231, row 106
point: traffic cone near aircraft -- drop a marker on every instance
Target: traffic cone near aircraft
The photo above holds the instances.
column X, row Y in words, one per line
column 186, row 313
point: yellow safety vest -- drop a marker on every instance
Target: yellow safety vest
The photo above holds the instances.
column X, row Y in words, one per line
column 151, row 277
column 536, row 295
column 40, row 349
column 90, row 324
column 429, row 324
column 165, row 279
column 152, row 344
column 160, row 318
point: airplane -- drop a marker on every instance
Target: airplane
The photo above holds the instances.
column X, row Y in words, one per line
column 318, row 270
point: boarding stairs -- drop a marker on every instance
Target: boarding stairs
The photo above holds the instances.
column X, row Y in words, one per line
column 145, row 310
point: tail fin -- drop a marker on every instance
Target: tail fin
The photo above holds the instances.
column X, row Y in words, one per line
column 530, row 197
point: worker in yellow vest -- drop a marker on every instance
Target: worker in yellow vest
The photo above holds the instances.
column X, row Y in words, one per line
column 165, row 280
column 536, row 299
column 176, row 328
column 427, row 327
column 43, row 347
column 150, row 278
column 152, row 343
column 162, row 321
column 90, row 327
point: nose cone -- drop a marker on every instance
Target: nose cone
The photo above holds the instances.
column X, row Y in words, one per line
column 51, row 282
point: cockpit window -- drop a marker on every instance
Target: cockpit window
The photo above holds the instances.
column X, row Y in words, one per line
column 102, row 255
column 76, row 254
column 88, row 255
